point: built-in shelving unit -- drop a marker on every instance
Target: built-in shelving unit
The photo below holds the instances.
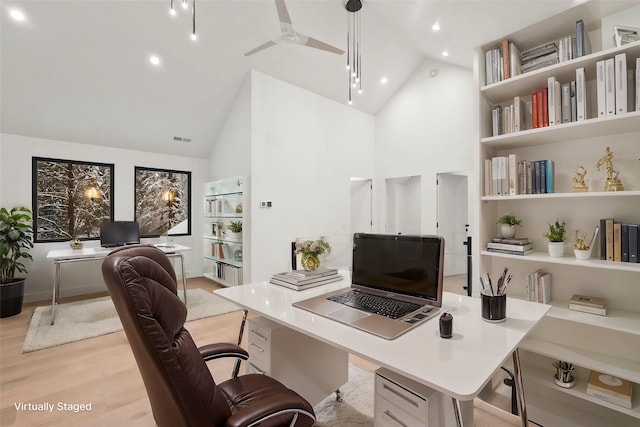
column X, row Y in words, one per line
column 224, row 204
column 611, row 343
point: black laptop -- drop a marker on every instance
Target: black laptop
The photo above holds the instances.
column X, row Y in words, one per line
column 396, row 285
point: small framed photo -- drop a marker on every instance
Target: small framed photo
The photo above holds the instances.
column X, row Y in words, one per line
column 625, row 35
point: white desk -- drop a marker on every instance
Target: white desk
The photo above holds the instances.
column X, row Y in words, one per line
column 63, row 256
column 458, row 367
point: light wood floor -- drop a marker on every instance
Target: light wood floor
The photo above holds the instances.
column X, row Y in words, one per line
column 103, row 372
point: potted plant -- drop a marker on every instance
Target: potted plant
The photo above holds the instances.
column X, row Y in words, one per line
column 508, row 223
column 16, row 232
column 581, row 248
column 235, row 230
column 556, row 234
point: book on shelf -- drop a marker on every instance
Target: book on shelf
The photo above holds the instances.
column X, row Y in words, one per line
column 512, row 175
column 617, row 242
column 610, row 389
column 634, row 242
column 510, row 252
column 511, row 240
column 637, row 84
column 583, row 44
column 565, row 99
column 588, row 304
column 581, row 92
column 554, row 101
column 545, row 106
column 550, row 181
column 510, row 246
column 311, row 274
column 601, row 91
column 574, row 104
column 608, row 235
column 610, row 86
column 621, row 82
column 487, row 177
column 624, row 242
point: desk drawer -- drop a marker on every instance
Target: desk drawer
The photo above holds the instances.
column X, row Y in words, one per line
column 256, row 367
column 259, row 344
column 408, row 402
column 389, row 415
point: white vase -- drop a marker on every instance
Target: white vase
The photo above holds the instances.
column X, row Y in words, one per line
column 556, row 249
column 508, row 231
column 235, row 236
column 582, row 253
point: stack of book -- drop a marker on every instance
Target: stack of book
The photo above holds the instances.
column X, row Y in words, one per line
column 303, row 279
column 537, row 286
column 588, row 304
column 539, row 56
column 511, row 246
column 609, row 388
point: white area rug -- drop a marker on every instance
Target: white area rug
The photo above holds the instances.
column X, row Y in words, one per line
column 356, row 409
column 80, row 320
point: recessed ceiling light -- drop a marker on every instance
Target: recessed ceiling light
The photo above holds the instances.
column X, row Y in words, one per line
column 384, row 80
column 445, row 53
column 435, row 26
column 17, row 14
column 154, row 60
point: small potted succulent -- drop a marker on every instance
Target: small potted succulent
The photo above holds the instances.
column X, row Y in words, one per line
column 508, row 224
column 556, row 234
column 581, row 248
column 235, row 230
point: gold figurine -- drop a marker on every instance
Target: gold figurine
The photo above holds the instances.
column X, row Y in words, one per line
column 578, row 180
column 613, row 183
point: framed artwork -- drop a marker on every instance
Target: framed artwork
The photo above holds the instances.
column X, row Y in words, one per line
column 70, row 198
column 625, row 35
column 162, row 202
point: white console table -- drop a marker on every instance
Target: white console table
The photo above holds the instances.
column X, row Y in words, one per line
column 64, row 256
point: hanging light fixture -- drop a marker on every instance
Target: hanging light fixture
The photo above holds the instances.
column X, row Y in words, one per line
column 354, row 47
column 172, row 12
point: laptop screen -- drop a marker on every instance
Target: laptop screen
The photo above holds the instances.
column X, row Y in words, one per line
column 119, row 233
column 407, row 265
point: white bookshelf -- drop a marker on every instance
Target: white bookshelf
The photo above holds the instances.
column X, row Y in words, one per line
column 611, row 343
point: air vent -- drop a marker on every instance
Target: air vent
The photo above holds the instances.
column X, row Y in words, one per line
column 181, row 139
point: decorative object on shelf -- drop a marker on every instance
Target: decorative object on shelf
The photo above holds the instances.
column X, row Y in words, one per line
column 578, row 181
column 556, row 235
column 582, row 248
column 239, row 208
column 564, row 377
column 624, row 35
column 76, row 243
column 311, row 250
column 613, row 183
column 508, row 223
column 16, row 239
column 235, row 230
column 237, row 255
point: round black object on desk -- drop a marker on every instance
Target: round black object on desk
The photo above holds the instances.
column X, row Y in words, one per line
column 446, row 325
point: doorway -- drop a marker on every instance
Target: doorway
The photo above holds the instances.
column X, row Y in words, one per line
column 361, row 205
column 404, row 205
column 453, row 225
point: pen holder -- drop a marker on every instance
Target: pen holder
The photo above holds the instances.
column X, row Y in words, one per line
column 494, row 307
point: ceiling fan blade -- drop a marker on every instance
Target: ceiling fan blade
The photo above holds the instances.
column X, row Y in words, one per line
column 283, row 16
column 261, row 47
column 311, row 42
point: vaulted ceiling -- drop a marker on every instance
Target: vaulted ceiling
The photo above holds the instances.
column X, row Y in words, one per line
column 79, row 71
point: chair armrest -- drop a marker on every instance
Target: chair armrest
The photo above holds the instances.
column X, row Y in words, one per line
column 220, row 350
column 270, row 407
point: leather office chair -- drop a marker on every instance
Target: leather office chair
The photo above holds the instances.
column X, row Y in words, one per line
column 182, row 392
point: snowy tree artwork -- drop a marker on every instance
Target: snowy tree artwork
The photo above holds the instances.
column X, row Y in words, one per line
column 70, row 199
column 163, row 202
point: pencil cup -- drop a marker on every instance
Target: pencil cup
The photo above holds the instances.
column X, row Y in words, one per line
column 494, row 307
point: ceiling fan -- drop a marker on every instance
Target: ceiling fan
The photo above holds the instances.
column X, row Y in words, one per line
column 289, row 35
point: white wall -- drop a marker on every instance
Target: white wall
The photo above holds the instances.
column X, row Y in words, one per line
column 16, row 153
column 426, row 128
column 304, row 150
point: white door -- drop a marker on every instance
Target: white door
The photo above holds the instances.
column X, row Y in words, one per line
column 404, row 205
column 361, row 205
column 453, row 220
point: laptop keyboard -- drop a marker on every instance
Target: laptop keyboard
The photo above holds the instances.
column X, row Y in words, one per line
column 383, row 306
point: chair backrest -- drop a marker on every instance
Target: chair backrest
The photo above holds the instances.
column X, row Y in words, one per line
column 142, row 284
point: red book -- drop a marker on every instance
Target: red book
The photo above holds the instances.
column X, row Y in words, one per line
column 534, row 109
column 540, row 109
column 545, row 107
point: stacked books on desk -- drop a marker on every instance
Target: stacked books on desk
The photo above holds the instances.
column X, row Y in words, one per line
column 303, row 279
column 609, row 388
column 511, row 246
